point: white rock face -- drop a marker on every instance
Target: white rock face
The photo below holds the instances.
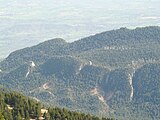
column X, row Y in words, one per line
column 0, row 70
column 90, row 63
column 134, row 65
column 31, row 67
column 130, row 76
column 80, row 67
column 27, row 74
column 32, row 64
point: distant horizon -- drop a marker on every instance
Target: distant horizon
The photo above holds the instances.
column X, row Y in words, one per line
column 26, row 23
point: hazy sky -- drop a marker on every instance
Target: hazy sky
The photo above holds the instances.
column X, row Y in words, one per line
column 28, row 22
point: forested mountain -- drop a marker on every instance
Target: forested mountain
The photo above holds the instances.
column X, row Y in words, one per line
column 112, row 74
column 15, row 106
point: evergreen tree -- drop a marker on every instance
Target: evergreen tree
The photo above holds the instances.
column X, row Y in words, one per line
column 46, row 116
column 18, row 117
column 1, row 116
column 27, row 115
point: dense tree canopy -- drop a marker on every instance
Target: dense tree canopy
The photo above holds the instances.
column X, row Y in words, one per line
column 15, row 106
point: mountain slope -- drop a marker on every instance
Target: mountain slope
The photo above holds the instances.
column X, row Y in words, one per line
column 105, row 74
column 15, row 106
column 120, row 37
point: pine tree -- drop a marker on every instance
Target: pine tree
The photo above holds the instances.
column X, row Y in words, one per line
column 18, row 117
column 1, row 116
column 38, row 110
column 27, row 115
column 46, row 116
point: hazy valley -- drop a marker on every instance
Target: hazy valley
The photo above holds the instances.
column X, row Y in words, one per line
column 27, row 23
